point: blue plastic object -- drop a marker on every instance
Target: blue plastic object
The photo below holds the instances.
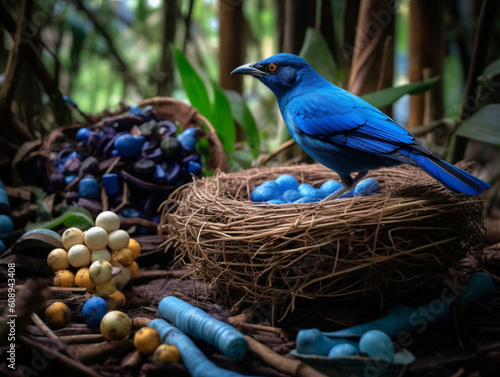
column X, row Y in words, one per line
column 83, row 134
column 93, row 310
column 88, row 188
column 128, row 145
column 377, row 344
column 136, row 110
column 6, row 227
column 194, row 168
column 111, row 183
column 188, row 142
column 345, row 349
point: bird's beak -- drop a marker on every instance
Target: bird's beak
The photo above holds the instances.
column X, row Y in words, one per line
column 249, row 69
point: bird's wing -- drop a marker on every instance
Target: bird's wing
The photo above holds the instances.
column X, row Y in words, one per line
column 343, row 118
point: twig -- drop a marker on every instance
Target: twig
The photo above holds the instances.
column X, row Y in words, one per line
column 73, row 365
column 82, row 339
column 292, row 367
column 133, row 360
column 252, row 326
column 159, row 274
column 139, row 322
column 92, row 352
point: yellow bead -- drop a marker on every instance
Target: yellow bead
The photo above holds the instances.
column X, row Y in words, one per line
column 146, row 340
column 134, row 269
column 58, row 314
column 82, row 279
column 64, row 278
column 105, row 289
column 167, row 352
column 115, row 325
column 58, row 259
column 119, row 300
column 134, row 246
column 128, row 257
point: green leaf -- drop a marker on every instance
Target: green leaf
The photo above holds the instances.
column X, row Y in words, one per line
column 222, row 119
column 490, row 71
column 317, row 53
column 388, row 96
column 193, row 85
column 72, row 217
column 483, row 125
column 241, row 114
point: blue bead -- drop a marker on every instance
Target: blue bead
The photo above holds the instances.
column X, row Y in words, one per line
column 6, row 227
column 128, row 145
column 329, row 187
column 2, row 247
column 194, row 168
column 160, row 173
column 307, row 199
column 342, row 350
column 114, row 153
column 93, row 310
column 187, row 132
column 286, row 182
column 111, row 183
column 130, row 213
column 83, row 134
column 290, row 196
column 69, row 178
column 188, row 142
column 136, row 110
column 264, row 193
column 88, row 188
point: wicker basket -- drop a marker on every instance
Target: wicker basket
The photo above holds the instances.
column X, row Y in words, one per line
column 392, row 242
column 159, row 108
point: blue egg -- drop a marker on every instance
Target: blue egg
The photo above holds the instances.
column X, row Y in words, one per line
column 307, row 199
column 128, row 145
column 290, row 196
column 6, row 227
column 286, row 182
column 83, row 134
column 306, row 189
column 367, row 186
column 377, row 344
column 275, row 201
column 194, row 168
column 341, row 350
column 264, row 193
column 329, row 187
column 93, row 310
column 88, row 188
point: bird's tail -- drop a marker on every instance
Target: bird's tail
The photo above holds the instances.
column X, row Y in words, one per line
column 450, row 176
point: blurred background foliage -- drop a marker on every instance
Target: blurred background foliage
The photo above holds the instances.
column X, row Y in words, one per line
column 102, row 53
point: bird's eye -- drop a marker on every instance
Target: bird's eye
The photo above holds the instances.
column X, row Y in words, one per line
column 272, row 67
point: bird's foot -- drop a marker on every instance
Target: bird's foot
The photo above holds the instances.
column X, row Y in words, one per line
column 336, row 194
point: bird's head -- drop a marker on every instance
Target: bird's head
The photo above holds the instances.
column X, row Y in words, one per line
column 281, row 73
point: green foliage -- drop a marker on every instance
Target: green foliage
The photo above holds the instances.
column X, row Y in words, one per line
column 492, row 70
column 71, row 217
column 388, row 96
column 222, row 110
column 317, row 53
column 483, row 125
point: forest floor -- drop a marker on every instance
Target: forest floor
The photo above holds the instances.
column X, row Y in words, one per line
column 469, row 346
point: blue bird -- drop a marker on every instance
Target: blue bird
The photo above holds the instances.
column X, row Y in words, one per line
column 344, row 132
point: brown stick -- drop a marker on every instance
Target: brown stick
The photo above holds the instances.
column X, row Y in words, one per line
column 292, row 367
column 133, row 360
column 139, row 322
column 73, row 365
column 88, row 353
column 82, row 339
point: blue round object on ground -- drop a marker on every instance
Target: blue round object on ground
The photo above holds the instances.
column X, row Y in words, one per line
column 290, row 196
column 194, row 168
column 83, row 134
column 264, row 193
column 111, row 183
column 88, row 188
column 93, row 310
column 341, row 350
column 329, row 187
column 128, row 145
column 286, row 182
column 6, row 227
column 377, row 344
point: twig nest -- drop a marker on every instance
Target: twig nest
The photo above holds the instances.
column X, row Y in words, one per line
column 58, row 314
column 79, row 255
column 108, row 220
column 118, row 239
column 72, row 236
column 96, row 238
column 64, row 278
column 100, row 271
column 115, row 325
column 58, row 259
column 146, row 340
column 381, row 246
